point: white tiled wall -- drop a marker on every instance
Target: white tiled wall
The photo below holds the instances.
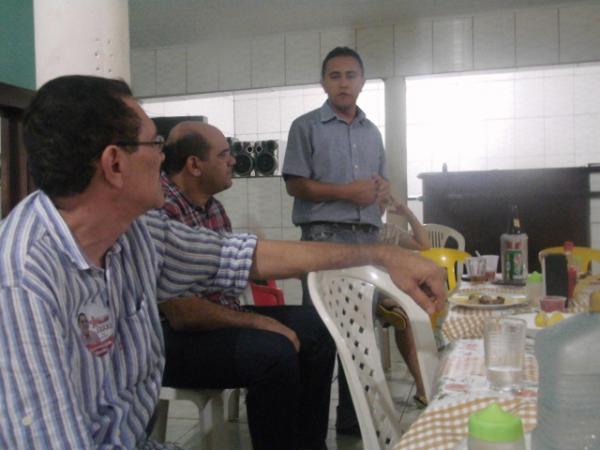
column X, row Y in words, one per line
column 261, row 205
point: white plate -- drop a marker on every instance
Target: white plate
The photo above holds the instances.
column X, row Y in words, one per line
column 510, row 301
column 532, row 328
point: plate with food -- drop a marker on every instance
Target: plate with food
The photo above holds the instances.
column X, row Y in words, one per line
column 539, row 321
column 487, row 301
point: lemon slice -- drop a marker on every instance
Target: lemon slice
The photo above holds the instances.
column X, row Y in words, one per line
column 554, row 318
column 541, row 319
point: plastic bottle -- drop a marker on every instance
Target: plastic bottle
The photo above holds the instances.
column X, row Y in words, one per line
column 568, row 356
column 513, row 250
column 571, row 271
column 494, row 429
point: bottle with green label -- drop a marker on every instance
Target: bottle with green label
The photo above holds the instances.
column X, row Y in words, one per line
column 513, row 251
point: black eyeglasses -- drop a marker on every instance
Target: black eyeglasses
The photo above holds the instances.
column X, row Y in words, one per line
column 158, row 141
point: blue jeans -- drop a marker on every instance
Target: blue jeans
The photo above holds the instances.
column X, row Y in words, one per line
column 346, row 415
column 288, row 393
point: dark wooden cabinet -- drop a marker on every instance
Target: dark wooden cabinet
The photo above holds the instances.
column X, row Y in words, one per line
column 554, row 206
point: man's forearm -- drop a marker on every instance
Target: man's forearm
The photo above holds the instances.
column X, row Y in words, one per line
column 199, row 314
column 292, row 259
column 418, row 277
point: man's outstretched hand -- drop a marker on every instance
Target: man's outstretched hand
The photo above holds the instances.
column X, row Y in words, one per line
column 419, row 277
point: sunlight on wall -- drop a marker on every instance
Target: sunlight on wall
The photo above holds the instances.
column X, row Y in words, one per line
column 529, row 118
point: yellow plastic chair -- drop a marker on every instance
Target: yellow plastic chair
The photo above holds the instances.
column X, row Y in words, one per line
column 583, row 256
column 447, row 258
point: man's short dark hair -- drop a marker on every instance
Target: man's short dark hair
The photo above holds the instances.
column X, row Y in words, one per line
column 177, row 152
column 68, row 124
column 342, row 51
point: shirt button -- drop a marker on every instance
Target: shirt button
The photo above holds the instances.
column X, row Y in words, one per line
column 356, row 166
column 353, row 145
column 26, row 421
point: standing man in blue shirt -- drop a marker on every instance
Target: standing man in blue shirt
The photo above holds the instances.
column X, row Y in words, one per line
column 334, row 168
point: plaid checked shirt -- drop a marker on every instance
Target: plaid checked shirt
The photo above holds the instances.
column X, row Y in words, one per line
column 213, row 217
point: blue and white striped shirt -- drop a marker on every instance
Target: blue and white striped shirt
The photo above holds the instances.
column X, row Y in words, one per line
column 81, row 349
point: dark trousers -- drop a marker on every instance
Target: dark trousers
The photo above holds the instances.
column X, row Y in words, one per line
column 345, row 413
column 288, row 393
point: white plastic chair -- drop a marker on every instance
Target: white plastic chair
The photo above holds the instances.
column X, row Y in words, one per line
column 344, row 301
column 439, row 234
column 201, row 398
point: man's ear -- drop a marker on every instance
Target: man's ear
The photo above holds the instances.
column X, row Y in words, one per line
column 194, row 166
column 111, row 164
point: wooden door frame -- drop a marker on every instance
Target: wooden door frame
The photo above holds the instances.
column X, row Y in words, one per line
column 14, row 178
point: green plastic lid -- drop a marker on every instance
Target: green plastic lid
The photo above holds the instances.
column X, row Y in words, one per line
column 535, row 277
column 493, row 424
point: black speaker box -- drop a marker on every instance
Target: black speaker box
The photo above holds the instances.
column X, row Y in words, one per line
column 265, row 157
column 244, row 161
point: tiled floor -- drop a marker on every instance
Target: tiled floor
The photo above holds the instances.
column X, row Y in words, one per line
column 184, row 427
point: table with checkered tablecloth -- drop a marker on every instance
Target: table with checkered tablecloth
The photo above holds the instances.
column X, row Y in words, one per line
column 467, row 323
column 463, row 389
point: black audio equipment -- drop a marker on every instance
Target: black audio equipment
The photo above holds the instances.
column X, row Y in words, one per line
column 265, row 158
column 244, row 161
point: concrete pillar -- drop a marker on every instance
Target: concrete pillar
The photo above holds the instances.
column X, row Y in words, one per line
column 395, row 138
column 87, row 37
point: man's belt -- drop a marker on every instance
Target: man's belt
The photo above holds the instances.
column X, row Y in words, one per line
column 364, row 227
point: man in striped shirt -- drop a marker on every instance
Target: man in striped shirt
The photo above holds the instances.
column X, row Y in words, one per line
column 89, row 241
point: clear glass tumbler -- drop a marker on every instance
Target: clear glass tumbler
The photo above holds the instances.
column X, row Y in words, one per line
column 504, row 344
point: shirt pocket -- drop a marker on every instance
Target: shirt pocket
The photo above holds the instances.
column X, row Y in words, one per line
column 139, row 341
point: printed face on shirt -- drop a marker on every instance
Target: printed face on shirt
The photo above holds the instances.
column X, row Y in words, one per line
column 217, row 168
column 144, row 186
column 95, row 325
column 343, row 81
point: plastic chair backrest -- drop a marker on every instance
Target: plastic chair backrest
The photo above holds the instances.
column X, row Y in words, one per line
column 344, row 301
column 439, row 234
column 582, row 255
column 448, row 258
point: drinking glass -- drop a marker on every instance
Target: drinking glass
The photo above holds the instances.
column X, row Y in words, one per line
column 504, row 345
column 491, row 264
column 476, row 269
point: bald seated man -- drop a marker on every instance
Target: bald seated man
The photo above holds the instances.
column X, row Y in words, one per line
column 283, row 355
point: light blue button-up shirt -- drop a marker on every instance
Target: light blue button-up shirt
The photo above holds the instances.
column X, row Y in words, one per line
column 81, row 349
column 323, row 147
